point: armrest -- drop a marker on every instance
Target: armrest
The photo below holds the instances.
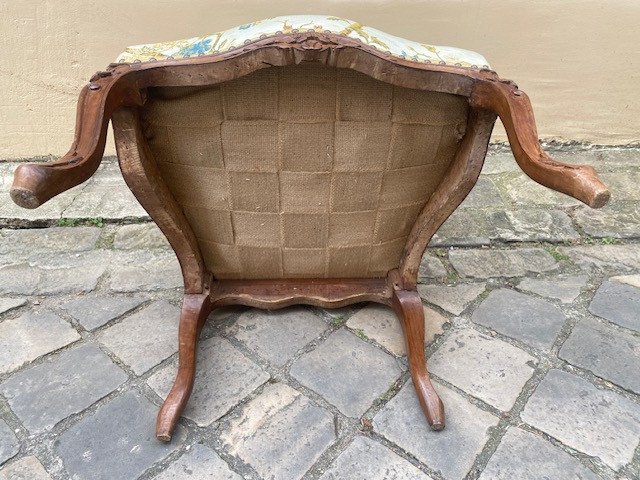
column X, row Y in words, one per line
column 35, row 183
column 514, row 109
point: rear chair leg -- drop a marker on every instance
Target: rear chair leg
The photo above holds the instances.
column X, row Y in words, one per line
column 195, row 309
column 408, row 307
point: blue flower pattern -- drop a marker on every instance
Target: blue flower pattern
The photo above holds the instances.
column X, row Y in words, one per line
column 250, row 32
column 202, row 47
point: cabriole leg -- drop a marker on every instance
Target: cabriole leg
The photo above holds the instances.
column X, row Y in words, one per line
column 408, row 307
column 195, row 309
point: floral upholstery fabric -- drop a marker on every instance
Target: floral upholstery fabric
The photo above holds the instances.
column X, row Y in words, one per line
column 245, row 34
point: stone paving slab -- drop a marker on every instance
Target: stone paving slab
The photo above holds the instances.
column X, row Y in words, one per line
column 465, row 228
column 565, row 288
column 83, row 259
column 380, row 323
column 623, row 184
column 27, row 244
column 199, row 463
column 263, row 332
column 48, row 393
column 30, row 336
column 532, row 225
column 484, row 194
column 531, row 320
column 136, row 236
column 602, row 158
column 501, row 263
column 105, row 194
column 26, row 468
column 431, row 268
column 485, row 367
column 7, row 304
column 159, row 271
column 608, row 158
column 498, row 162
column 98, row 200
column 24, row 279
column 610, row 353
column 633, row 280
column 117, row 441
column 617, row 258
column 612, row 221
column 94, row 311
column 224, row 376
column 618, row 303
column 365, row 459
column 239, row 425
column 280, row 433
column 402, row 422
column 145, row 338
column 9, row 444
column 524, row 456
column 51, row 211
column 348, row 372
column 597, row 422
column 522, row 192
column 452, row 298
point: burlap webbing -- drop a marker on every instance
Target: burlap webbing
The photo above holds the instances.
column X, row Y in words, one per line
column 302, row 171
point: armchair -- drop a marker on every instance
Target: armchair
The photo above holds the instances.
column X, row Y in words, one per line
column 299, row 160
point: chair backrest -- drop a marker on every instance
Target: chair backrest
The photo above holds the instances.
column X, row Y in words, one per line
column 302, row 171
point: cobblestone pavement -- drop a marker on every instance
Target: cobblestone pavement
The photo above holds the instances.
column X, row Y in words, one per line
column 533, row 319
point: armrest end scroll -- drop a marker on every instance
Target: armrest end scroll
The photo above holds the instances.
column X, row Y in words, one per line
column 514, row 109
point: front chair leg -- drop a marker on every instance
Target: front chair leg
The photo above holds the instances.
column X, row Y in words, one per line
column 408, row 307
column 195, row 309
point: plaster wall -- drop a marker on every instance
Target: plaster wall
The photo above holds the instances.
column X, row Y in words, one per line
column 579, row 60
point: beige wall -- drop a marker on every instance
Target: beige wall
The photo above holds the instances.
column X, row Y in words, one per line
column 579, row 60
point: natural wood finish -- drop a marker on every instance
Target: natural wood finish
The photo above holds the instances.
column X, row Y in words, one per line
column 453, row 189
column 35, row 183
column 325, row 292
column 514, row 109
column 195, row 309
column 143, row 177
column 117, row 93
column 408, row 307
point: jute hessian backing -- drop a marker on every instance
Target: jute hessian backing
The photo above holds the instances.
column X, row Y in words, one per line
column 302, row 171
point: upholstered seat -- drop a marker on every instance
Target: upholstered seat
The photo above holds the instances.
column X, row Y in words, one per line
column 242, row 35
column 299, row 160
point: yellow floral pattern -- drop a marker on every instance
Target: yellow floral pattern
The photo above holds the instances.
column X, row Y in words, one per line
column 251, row 32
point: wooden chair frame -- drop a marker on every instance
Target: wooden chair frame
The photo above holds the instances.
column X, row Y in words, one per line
column 118, row 93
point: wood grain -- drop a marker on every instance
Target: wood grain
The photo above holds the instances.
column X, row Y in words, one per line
column 453, row 189
column 325, row 293
column 195, row 309
column 143, row 177
column 514, row 108
column 410, row 311
column 35, row 183
column 118, row 93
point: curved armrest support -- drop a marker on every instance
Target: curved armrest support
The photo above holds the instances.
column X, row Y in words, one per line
column 514, row 109
column 35, row 183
